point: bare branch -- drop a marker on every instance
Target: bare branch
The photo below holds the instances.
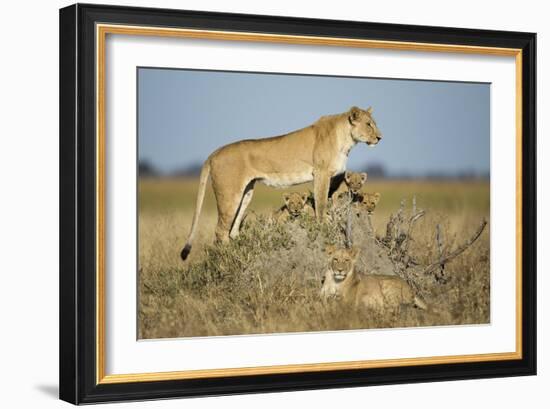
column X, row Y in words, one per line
column 412, row 221
column 349, row 242
column 417, row 216
column 371, row 229
column 401, row 219
column 439, row 241
column 389, row 230
column 459, row 250
column 401, row 208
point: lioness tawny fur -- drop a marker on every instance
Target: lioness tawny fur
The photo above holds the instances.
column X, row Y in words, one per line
column 374, row 291
column 295, row 205
column 316, row 153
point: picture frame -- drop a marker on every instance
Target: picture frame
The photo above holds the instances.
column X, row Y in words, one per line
column 83, row 217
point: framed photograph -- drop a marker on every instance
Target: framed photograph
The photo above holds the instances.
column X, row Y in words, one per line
column 256, row 203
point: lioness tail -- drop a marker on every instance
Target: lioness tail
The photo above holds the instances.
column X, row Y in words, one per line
column 205, row 172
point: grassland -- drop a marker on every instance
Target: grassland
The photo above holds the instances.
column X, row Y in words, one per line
column 268, row 280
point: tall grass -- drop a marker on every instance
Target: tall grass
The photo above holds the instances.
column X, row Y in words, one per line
column 268, row 279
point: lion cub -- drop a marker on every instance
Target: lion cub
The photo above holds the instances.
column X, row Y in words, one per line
column 367, row 202
column 295, row 205
column 373, row 291
column 352, row 183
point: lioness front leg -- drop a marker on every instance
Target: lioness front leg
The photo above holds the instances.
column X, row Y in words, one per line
column 321, row 184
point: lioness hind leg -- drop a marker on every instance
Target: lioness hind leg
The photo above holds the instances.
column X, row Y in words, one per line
column 229, row 201
column 225, row 221
column 247, row 197
column 228, row 205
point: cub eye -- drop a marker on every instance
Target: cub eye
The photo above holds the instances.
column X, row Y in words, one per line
column 335, row 260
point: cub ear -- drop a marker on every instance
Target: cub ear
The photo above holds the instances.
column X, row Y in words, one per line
column 363, row 177
column 286, row 197
column 369, row 110
column 354, row 251
column 377, row 197
column 330, row 249
column 305, row 196
column 354, row 114
column 347, row 176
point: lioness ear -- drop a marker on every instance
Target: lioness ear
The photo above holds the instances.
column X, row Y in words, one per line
column 376, row 197
column 363, row 177
column 354, row 114
column 369, row 110
column 354, row 251
column 286, row 197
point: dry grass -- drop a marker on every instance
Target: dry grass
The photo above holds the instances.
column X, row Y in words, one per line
column 268, row 280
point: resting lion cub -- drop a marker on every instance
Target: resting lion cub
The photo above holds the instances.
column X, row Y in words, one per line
column 295, row 205
column 376, row 291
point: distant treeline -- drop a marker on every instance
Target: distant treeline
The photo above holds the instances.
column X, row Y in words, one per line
column 375, row 171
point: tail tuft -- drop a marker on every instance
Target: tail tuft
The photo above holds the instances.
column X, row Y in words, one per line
column 185, row 252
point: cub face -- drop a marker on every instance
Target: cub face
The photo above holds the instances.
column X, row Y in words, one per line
column 355, row 181
column 341, row 262
column 369, row 201
column 295, row 202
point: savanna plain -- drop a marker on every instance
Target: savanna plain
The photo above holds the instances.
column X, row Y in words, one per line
column 268, row 279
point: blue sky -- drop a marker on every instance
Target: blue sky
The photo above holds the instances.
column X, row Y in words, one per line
column 428, row 126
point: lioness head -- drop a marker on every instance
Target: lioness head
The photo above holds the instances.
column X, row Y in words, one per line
column 355, row 181
column 369, row 201
column 363, row 126
column 341, row 261
column 295, row 202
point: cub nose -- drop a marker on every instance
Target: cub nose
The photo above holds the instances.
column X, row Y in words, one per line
column 378, row 137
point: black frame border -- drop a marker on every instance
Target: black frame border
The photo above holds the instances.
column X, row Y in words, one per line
column 77, row 150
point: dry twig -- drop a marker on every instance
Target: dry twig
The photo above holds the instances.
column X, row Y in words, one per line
column 459, row 250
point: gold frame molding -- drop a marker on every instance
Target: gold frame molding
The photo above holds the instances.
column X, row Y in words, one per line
column 102, row 30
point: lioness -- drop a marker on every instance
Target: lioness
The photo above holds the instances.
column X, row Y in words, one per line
column 316, row 153
column 352, row 183
column 374, row 291
column 295, row 205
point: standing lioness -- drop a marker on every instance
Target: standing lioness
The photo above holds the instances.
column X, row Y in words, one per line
column 316, row 153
